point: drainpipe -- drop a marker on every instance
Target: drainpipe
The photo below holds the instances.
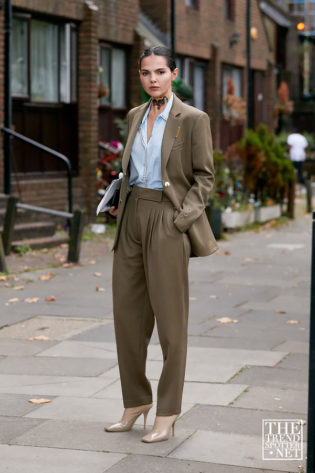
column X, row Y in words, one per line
column 173, row 28
column 249, row 69
column 7, row 96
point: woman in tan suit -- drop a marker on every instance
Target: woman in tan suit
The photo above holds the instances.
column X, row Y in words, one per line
column 161, row 222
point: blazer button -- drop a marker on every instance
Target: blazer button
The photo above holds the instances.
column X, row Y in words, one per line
column 167, row 184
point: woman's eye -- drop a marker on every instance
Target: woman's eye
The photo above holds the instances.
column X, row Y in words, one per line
column 161, row 72
column 144, row 73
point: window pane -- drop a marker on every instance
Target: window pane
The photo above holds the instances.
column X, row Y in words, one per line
column 73, row 64
column 199, row 87
column 44, row 61
column 65, row 63
column 233, row 77
column 118, row 96
column 104, row 74
column 19, row 58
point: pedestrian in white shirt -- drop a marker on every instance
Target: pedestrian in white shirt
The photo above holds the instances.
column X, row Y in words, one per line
column 297, row 143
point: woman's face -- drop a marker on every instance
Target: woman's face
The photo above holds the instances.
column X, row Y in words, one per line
column 156, row 76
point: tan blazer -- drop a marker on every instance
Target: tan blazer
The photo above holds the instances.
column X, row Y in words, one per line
column 187, row 171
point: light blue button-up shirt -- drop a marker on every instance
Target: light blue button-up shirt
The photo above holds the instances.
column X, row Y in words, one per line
column 145, row 159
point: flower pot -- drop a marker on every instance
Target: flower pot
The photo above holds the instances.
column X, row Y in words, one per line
column 263, row 214
column 215, row 219
column 237, row 219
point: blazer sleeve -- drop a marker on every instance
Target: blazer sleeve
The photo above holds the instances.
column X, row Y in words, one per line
column 197, row 197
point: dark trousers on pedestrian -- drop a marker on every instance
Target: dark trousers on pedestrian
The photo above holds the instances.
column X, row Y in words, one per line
column 150, row 283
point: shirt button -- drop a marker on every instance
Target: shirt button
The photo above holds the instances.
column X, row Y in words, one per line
column 167, row 184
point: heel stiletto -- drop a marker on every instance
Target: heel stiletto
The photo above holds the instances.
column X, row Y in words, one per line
column 161, row 429
column 129, row 418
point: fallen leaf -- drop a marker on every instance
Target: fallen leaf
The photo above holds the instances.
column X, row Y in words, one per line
column 212, row 296
column 14, row 299
column 38, row 337
column 226, row 320
column 293, row 322
column 193, row 298
column 67, row 265
column 248, row 260
column 39, row 401
column 218, row 253
column 31, row 299
column 18, row 288
column 97, row 274
column 100, row 289
column 6, row 284
column 50, row 299
column 46, row 277
column 5, row 278
column 280, row 312
column 63, row 245
column 92, row 261
column 227, row 252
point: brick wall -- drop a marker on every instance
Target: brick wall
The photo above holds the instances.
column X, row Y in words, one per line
column 117, row 20
column 68, row 9
column 87, row 107
column 1, row 95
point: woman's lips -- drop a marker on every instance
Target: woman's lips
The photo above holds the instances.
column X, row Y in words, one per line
column 154, row 88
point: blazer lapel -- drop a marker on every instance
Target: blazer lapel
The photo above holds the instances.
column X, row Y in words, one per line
column 171, row 129
column 132, row 134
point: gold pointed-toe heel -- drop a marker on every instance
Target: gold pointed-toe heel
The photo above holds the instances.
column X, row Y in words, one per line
column 161, row 429
column 129, row 417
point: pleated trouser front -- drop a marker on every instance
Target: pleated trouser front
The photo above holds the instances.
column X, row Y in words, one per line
column 150, row 282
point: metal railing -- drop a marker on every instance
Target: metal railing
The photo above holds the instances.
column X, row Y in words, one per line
column 50, row 151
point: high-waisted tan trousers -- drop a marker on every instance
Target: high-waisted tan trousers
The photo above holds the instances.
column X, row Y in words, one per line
column 150, row 282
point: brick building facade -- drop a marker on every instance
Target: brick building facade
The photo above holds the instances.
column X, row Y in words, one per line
column 97, row 43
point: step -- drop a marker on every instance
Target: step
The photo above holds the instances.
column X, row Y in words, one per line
column 3, row 201
column 44, row 242
column 33, row 229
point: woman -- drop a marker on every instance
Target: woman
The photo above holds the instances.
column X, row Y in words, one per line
column 167, row 176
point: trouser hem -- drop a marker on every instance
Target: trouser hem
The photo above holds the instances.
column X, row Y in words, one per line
column 137, row 402
column 167, row 413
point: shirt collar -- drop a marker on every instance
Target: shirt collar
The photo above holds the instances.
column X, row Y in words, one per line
column 165, row 112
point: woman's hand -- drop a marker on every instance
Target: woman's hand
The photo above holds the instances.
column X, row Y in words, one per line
column 113, row 211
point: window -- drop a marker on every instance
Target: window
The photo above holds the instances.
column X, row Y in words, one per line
column 193, row 4
column 112, row 76
column 229, row 9
column 193, row 73
column 231, row 83
column 48, row 72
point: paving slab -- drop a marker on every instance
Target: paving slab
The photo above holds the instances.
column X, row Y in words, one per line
column 92, row 437
column 57, row 328
column 143, row 464
column 293, row 346
column 55, row 366
column 52, row 385
column 275, row 399
column 229, row 448
column 232, row 419
column 11, row 347
column 79, row 348
column 16, row 405
column 11, row 427
column 296, row 361
column 273, row 377
column 52, row 460
column 91, row 410
column 232, row 342
column 207, row 393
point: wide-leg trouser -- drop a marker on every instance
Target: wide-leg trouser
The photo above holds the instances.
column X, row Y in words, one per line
column 150, row 282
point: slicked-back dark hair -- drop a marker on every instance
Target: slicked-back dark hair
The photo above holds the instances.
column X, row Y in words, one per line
column 158, row 51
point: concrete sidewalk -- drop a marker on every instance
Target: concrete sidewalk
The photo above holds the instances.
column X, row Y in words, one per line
column 237, row 374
